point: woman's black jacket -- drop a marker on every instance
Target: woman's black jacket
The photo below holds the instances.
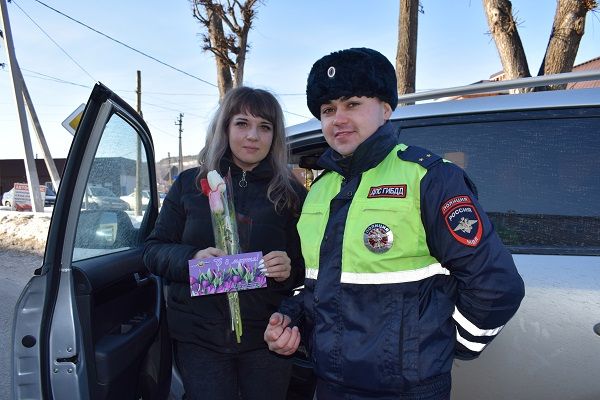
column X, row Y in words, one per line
column 184, row 226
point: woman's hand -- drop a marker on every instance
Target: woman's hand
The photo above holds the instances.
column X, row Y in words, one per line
column 276, row 265
column 209, row 252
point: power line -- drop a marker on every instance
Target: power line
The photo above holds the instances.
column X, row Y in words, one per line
column 154, row 127
column 53, row 41
column 177, row 94
column 126, row 45
column 169, row 109
column 297, row 115
column 59, row 80
column 188, row 104
column 53, row 78
column 39, row 75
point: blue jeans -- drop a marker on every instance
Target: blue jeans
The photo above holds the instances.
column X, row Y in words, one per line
column 253, row 375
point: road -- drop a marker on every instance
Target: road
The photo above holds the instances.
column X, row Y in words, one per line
column 16, row 267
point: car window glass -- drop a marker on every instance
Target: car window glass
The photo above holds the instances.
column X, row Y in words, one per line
column 114, row 203
column 537, row 179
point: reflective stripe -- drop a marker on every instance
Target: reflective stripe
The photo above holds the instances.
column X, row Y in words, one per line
column 473, row 346
column 471, row 328
column 311, row 273
column 386, row 277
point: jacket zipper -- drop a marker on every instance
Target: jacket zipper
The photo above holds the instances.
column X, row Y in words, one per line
column 243, row 183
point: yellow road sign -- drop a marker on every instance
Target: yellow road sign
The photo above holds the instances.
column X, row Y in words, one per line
column 72, row 121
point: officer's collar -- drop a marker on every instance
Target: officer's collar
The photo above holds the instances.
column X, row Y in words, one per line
column 366, row 156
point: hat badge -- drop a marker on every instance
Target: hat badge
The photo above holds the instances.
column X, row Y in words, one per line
column 331, row 72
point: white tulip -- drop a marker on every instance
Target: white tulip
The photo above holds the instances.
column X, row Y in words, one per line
column 215, row 181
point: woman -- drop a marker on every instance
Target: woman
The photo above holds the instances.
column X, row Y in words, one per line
column 246, row 137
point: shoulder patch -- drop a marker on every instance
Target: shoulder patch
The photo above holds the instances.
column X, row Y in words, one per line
column 419, row 155
column 462, row 220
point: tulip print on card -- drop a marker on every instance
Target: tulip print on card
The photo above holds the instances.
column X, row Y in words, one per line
column 226, row 274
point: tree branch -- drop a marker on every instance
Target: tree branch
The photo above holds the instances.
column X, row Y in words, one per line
column 567, row 30
column 215, row 15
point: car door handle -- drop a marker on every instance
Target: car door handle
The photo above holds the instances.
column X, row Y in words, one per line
column 141, row 280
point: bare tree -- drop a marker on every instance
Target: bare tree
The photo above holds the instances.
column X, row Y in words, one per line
column 567, row 30
column 227, row 24
column 406, row 51
column 503, row 28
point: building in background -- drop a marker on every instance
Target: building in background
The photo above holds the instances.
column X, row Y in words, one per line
column 13, row 171
column 120, row 181
column 589, row 65
column 167, row 170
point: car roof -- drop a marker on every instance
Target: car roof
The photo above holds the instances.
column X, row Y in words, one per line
column 306, row 138
column 502, row 102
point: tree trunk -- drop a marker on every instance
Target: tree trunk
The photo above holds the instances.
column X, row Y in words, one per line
column 238, row 75
column 567, row 30
column 406, row 52
column 503, row 29
column 240, row 61
column 218, row 45
column 227, row 39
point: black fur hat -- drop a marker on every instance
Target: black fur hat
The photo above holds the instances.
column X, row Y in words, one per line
column 351, row 72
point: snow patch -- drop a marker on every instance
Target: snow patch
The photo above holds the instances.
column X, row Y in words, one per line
column 25, row 231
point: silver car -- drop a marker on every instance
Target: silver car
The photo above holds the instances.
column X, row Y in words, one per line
column 90, row 324
column 131, row 200
column 98, row 197
column 8, row 198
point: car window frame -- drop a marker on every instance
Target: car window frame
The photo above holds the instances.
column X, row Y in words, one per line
column 491, row 117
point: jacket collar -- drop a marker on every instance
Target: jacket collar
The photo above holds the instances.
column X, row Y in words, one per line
column 263, row 171
column 366, row 156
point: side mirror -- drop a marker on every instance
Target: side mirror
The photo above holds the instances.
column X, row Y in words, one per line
column 103, row 229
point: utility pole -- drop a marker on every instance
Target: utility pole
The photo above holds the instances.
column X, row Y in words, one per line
column 138, row 161
column 50, row 165
column 170, row 174
column 179, row 122
column 30, row 169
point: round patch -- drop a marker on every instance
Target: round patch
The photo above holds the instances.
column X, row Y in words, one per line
column 331, row 72
column 378, row 238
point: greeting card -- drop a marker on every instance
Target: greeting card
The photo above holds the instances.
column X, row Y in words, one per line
column 226, row 274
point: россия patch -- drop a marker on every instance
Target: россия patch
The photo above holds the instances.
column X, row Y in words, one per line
column 462, row 220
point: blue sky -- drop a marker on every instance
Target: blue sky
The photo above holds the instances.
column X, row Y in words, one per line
column 288, row 36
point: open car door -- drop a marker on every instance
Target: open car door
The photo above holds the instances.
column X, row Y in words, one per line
column 90, row 323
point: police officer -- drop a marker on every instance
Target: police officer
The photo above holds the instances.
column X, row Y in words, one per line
column 404, row 271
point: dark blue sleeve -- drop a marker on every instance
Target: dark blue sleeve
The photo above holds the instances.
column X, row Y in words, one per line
column 164, row 254
column 462, row 238
column 293, row 307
